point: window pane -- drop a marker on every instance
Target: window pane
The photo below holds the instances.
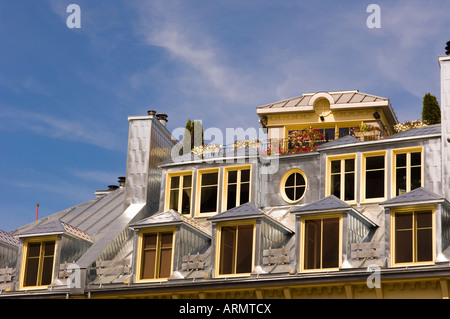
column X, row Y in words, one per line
column 400, row 181
column 290, row 193
column 329, row 134
column 403, row 221
column 299, row 191
column 312, row 244
column 173, row 200
column 231, row 196
column 400, row 160
column 47, row 270
column 186, row 201
column 187, row 181
column 31, row 272
column 208, row 201
column 424, row 219
column 245, row 193
column 245, row 175
column 165, row 255
column 148, row 264
column 49, row 248
column 299, row 180
column 375, row 184
column 403, row 246
column 350, row 165
column 290, row 180
column 335, row 166
column 232, row 177
column 416, row 177
column 150, row 241
column 424, row 244
column 244, row 249
column 330, row 243
column 416, row 158
column 375, row 162
column 336, row 185
column 227, row 250
column 349, row 186
column 175, row 182
column 209, row 178
column 34, row 249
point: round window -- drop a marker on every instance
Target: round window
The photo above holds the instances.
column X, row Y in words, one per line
column 293, row 185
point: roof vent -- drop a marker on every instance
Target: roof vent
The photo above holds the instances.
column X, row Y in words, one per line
column 447, row 48
column 121, row 181
column 162, row 118
column 151, row 112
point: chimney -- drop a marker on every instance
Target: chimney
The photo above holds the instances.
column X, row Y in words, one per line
column 444, row 63
column 162, row 118
column 151, row 112
column 122, row 181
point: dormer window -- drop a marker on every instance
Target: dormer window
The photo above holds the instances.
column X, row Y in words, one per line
column 39, row 262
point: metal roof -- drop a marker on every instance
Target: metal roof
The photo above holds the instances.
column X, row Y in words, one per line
column 417, row 195
column 328, row 203
column 8, row 239
column 420, row 131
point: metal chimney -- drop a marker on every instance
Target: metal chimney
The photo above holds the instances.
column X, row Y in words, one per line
column 162, row 118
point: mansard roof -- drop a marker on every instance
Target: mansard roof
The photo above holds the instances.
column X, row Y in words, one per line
column 53, row 228
column 419, row 195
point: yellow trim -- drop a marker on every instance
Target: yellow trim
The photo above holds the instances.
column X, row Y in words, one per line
column 407, row 151
column 363, row 176
column 219, row 243
column 238, row 168
column 139, row 260
column 341, row 158
column 26, row 242
column 302, row 241
column 200, row 172
column 169, row 175
column 283, row 182
column 413, row 209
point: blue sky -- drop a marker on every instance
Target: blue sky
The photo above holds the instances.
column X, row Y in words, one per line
column 65, row 94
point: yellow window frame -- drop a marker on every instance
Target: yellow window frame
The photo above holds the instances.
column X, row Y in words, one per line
column 365, row 155
column 404, row 210
column 302, row 247
column 238, row 168
column 180, row 174
column 407, row 151
column 283, row 185
column 198, row 192
column 218, row 257
column 23, row 268
column 342, row 159
column 140, row 249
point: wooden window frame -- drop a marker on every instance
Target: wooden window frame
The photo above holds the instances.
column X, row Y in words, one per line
column 198, row 192
column 303, row 241
column 342, row 159
column 180, row 174
column 238, row 184
column 283, row 184
column 140, row 255
column 407, row 151
column 218, row 257
column 395, row 212
column 24, row 264
column 365, row 155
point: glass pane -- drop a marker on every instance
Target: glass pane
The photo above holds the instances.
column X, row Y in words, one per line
column 299, row 180
column 416, row 177
column 403, row 246
column 375, row 184
column 209, row 178
column 166, row 240
column 336, row 185
column 344, row 131
column 31, row 272
column 416, row 158
column 375, row 162
column 424, row 219
column 335, row 166
column 148, row 264
column 208, row 201
column 299, row 191
column 186, row 201
column 227, row 250
column 47, row 270
column 349, row 186
column 231, row 196
column 290, row 193
column 400, row 181
column 49, row 248
column 312, row 244
column 173, row 200
column 175, row 182
column 330, row 243
column 245, row 175
column 424, row 245
column 232, row 177
column 244, row 249
column 187, row 181
column 403, row 221
column 329, row 134
column 350, row 165
column 150, row 241
column 290, row 180
column 34, row 249
column 400, row 160
column 245, row 193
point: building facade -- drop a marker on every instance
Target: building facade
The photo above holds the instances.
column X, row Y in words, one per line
column 335, row 204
